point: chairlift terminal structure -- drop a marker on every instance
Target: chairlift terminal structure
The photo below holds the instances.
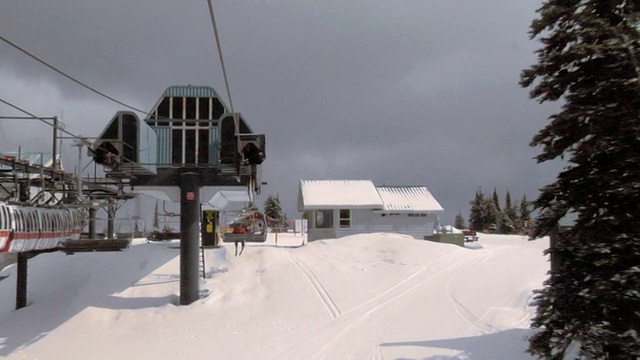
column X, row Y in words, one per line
column 188, row 129
column 189, row 149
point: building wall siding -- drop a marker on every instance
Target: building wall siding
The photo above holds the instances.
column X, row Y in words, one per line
column 164, row 144
column 364, row 221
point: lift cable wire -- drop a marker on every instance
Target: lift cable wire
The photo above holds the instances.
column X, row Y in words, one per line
column 70, row 77
column 83, row 140
column 224, row 69
column 226, row 83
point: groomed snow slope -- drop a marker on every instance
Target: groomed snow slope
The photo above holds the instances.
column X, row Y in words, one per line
column 376, row 296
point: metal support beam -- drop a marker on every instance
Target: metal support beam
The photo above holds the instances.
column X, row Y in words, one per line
column 21, row 282
column 54, row 147
column 189, row 231
column 23, row 192
column 92, row 223
column 111, row 214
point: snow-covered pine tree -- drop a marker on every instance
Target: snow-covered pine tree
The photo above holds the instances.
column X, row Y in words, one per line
column 477, row 212
column 491, row 215
column 459, row 222
column 509, row 216
column 524, row 214
column 590, row 62
column 273, row 210
column 496, row 200
column 498, row 212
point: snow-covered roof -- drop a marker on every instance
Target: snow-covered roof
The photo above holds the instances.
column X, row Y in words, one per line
column 351, row 194
column 408, row 199
column 327, row 194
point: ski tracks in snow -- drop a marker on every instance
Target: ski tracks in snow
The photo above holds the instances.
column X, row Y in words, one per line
column 467, row 315
column 322, row 292
column 352, row 323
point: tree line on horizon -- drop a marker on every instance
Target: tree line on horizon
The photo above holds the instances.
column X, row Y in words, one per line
column 488, row 215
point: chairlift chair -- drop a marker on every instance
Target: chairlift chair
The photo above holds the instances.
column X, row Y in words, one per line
column 254, row 224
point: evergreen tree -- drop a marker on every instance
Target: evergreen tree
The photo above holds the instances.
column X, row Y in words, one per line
column 273, row 210
column 509, row 216
column 590, row 62
column 496, row 200
column 459, row 222
column 478, row 210
column 491, row 216
column 524, row 214
column 498, row 212
column 484, row 213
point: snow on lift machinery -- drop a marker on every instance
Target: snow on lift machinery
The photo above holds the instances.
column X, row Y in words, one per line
column 251, row 226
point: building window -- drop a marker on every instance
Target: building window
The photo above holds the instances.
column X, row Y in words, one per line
column 176, row 148
column 190, row 145
column 217, row 109
column 178, row 107
column 190, row 108
column 324, row 219
column 203, row 146
column 163, row 108
column 345, row 218
column 203, row 109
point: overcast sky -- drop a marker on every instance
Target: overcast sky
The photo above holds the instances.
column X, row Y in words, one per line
column 410, row 92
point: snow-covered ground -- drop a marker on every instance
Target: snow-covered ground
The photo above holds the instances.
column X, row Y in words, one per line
column 377, row 296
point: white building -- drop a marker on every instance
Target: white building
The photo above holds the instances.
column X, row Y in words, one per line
column 337, row 208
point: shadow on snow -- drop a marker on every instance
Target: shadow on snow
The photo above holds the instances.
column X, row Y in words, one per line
column 499, row 345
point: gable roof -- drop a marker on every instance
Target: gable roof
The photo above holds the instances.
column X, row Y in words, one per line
column 327, row 194
column 352, row 194
column 408, row 198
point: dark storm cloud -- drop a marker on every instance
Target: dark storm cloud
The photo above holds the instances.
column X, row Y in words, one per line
column 403, row 92
column 116, row 46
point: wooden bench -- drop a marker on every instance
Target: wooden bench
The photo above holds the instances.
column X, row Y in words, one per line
column 470, row 235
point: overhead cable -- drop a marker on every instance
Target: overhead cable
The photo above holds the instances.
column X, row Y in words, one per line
column 45, row 121
column 236, row 121
column 69, row 76
column 224, row 70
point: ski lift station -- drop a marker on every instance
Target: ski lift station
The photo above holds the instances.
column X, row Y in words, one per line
column 190, row 149
column 188, row 130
